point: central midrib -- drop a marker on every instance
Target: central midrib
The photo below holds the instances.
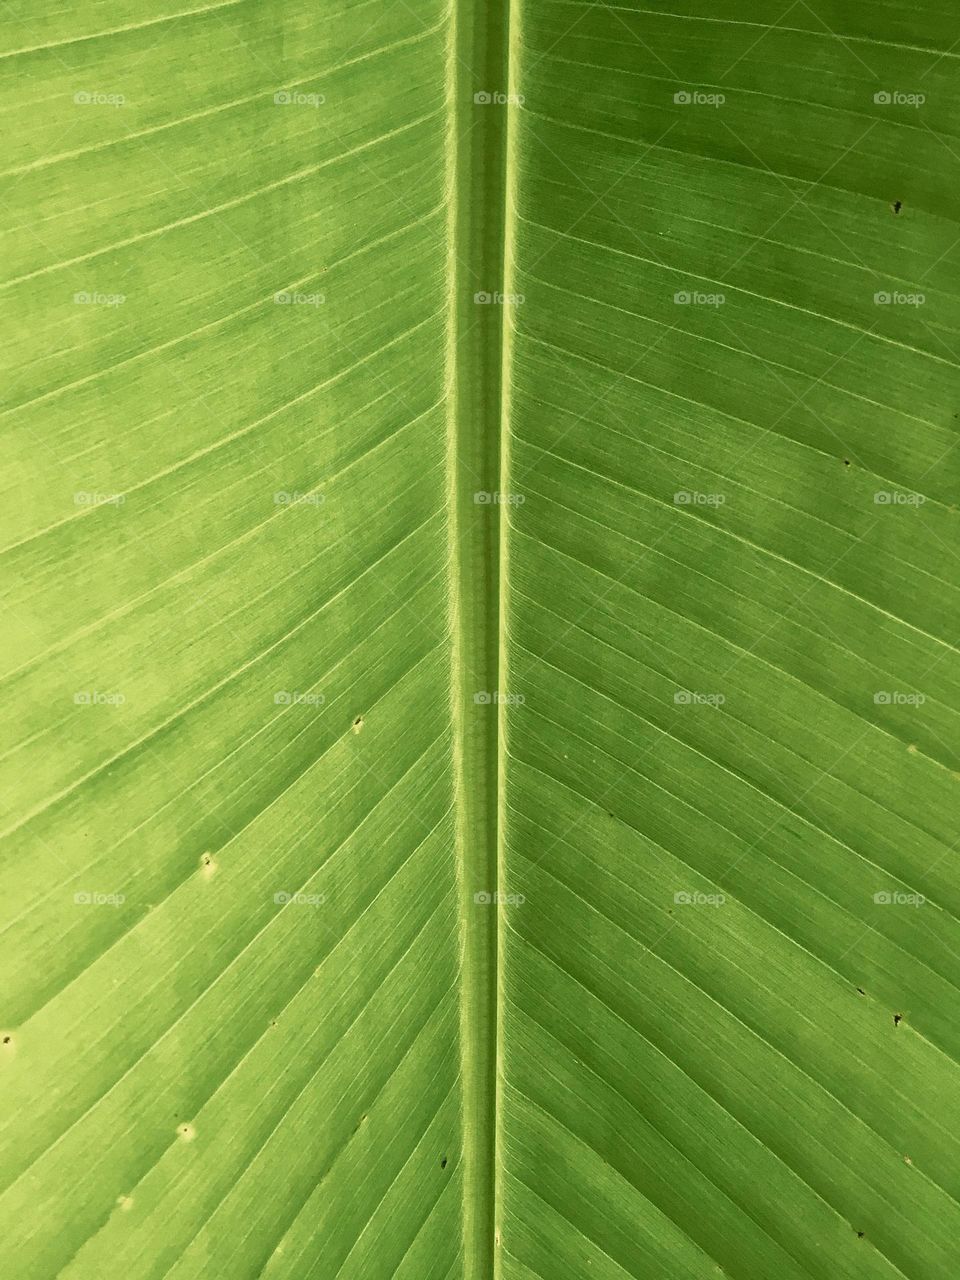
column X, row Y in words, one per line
column 479, row 63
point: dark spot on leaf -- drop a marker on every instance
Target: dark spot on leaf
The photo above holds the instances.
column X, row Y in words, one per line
column 859, row 1235
column 861, row 990
column 443, row 1163
column 897, row 1019
column 896, row 206
column 7, row 1039
column 358, row 724
column 846, row 462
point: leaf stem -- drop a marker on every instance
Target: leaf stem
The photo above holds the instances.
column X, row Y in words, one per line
column 478, row 78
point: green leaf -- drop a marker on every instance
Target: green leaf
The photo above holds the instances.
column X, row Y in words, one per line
column 481, row 704
column 729, row 1033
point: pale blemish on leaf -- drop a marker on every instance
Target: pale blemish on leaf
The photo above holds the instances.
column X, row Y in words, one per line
column 186, row 1132
column 357, row 724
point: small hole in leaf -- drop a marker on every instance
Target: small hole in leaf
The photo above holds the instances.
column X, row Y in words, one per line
column 443, row 1163
column 897, row 1019
column 897, row 206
